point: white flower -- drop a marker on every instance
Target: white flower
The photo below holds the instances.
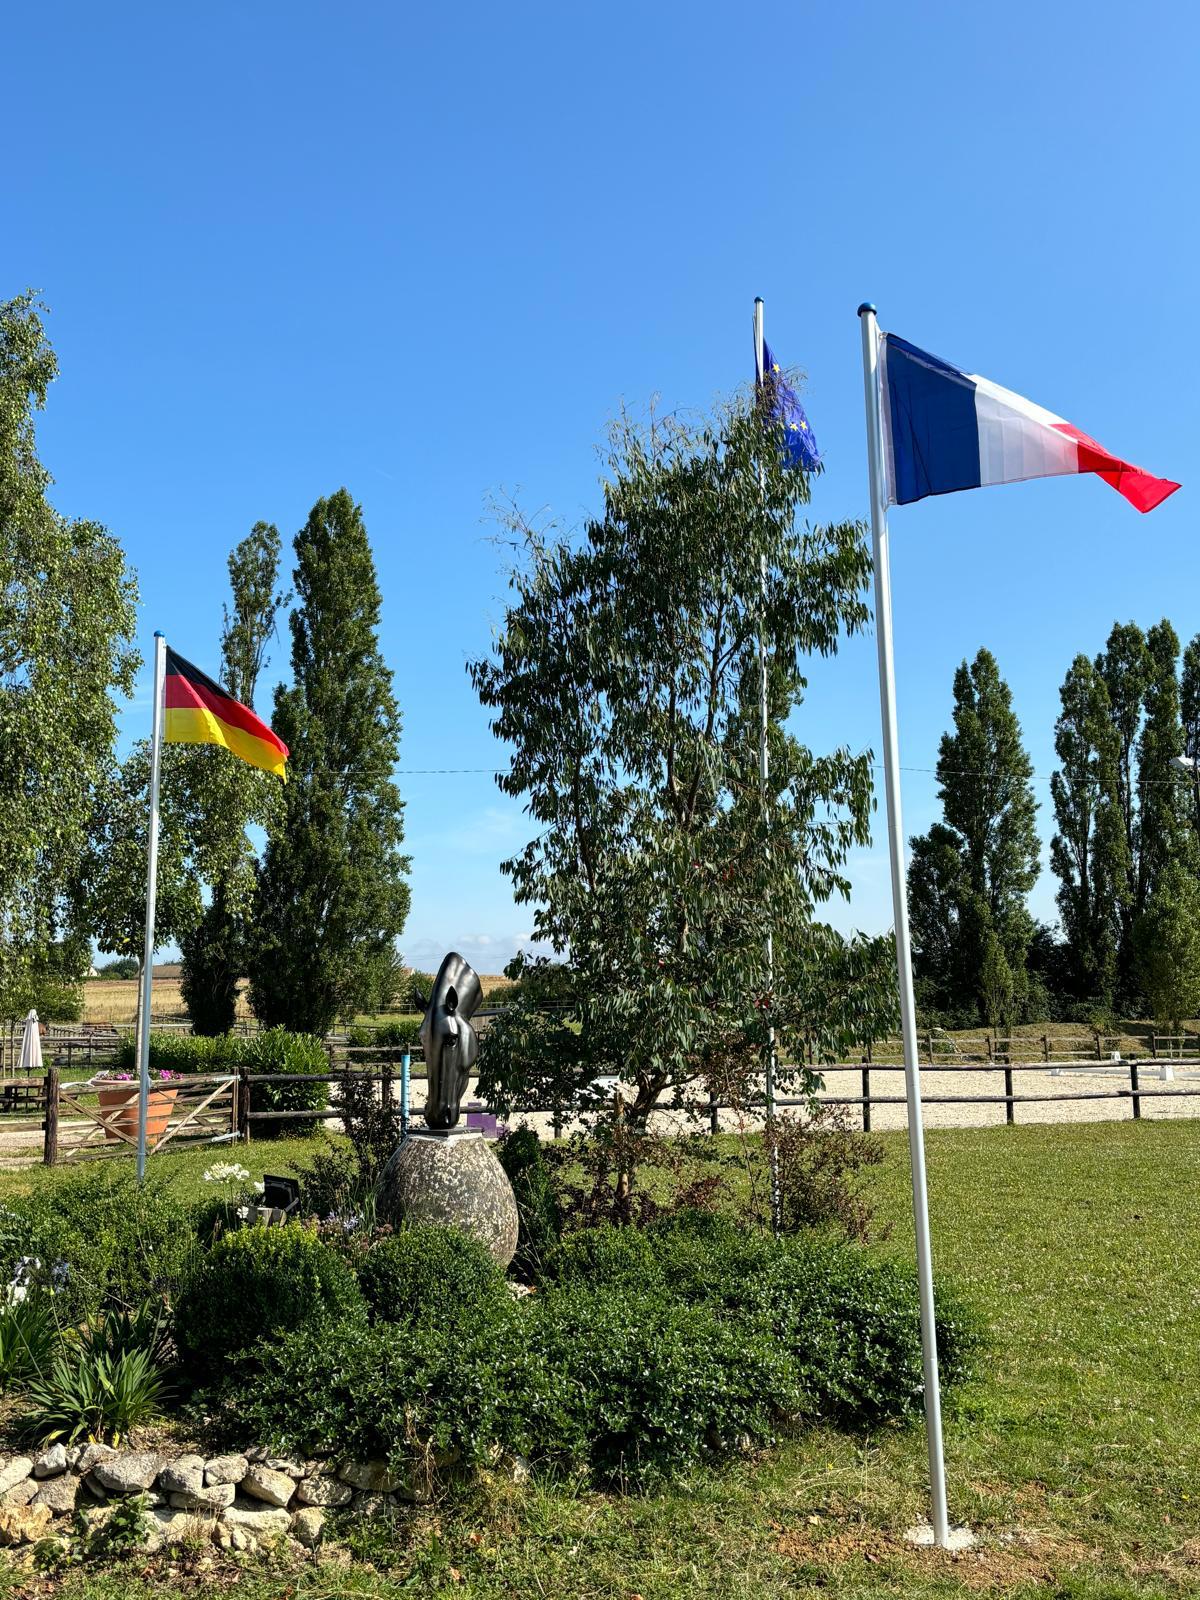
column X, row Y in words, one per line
column 226, row 1172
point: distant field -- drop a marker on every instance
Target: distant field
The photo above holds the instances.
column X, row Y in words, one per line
column 115, row 1000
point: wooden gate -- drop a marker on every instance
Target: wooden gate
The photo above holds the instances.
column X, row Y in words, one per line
column 93, row 1119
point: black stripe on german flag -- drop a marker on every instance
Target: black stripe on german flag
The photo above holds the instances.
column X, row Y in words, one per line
column 199, row 711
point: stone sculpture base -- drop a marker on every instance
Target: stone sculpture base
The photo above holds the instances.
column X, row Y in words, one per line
column 452, row 1178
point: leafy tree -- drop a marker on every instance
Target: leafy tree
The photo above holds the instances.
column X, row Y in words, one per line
column 67, row 618
column 1124, row 667
column 969, row 880
column 215, row 946
column 1190, row 716
column 1167, row 946
column 332, row 895
column 1164, row 831
column 625, row 678
column 1089, row 851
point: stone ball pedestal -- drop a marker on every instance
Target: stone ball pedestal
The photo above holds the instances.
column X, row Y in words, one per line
column 454, row 1179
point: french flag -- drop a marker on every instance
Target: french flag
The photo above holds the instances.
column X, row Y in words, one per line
column 946, row 430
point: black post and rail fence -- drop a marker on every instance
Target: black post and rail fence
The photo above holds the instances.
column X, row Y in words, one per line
column 64, row 1104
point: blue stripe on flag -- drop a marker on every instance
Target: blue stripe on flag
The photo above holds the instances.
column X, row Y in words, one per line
column 934, row 431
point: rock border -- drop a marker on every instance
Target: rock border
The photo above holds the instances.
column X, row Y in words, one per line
column 237, row 1498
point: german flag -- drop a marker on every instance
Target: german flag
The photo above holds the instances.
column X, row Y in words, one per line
column 198, row 711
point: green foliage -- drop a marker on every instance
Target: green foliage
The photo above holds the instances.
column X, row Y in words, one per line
column 520, row 1154
column 643, row 1354
column 384, row 1043
column 1089, row 851
column 99, row 1239
column 970, row 874
column 1167, row 947
column 262, row 1283
column 820, row 1160
column 625, row 678
column 88, row 1393
column 66, row 662
column 185, row 1052
column 275, row 1050
column 332, row 892
column 124, row 968
column 28, row 1337
column 431, row 1274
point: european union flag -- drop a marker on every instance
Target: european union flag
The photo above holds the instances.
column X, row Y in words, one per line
column 781, row 404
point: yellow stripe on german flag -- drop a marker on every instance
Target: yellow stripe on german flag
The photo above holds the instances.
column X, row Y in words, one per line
column 198, row 711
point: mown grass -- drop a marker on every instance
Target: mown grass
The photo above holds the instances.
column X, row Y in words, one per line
column 1075, row 1454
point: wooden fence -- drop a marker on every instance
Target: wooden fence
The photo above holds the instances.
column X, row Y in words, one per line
column 84, row 1121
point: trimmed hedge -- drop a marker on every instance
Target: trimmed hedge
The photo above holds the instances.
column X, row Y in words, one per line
column 264, row 1284
column 644, row 1354
column 431, row 1275
column 272, row 1050
column 520, row 1154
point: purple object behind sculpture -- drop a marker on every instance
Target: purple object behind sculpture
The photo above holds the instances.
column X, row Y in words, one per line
column 451, row 1043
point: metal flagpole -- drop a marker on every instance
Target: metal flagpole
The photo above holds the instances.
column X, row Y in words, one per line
column 160, row 673
column 908, row 1010
column 763, row 774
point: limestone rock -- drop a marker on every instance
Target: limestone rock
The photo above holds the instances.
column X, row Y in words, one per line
column 261, row 1521
column 89, row 1455
column 60, row 1493
column 368, row 1504
column 12, row 1472
column 129, row 1471
column 23, row 1524
column 239, row 1539
column 323, row 1491
column 294, row 1469
column 226, row 1469
column 184, row 1475
column 51, row 1462
column 21, row 1493
column 264, row 1483
column 308, row 1525
column 375, row 1476
column 453, row 1179
column 213, row 1499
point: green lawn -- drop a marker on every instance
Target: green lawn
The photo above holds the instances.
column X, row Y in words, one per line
column 1076, row 1455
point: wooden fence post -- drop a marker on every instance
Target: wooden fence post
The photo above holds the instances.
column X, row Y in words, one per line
column 714, row 1122
column 1133, row 1084
column 866, row 1107
column 244, row 1104
column 1045, row 1047
column 1008, row 1090
column 50, row 1142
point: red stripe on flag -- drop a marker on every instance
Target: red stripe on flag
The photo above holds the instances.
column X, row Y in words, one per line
column 185, row 694
column 1139, row 487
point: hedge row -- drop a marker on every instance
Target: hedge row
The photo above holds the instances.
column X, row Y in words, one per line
column 273, row 1050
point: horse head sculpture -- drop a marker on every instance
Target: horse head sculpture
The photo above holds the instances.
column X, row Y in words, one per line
column 451, row 1043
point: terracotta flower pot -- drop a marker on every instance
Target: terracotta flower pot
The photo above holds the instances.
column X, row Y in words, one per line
column 124, row 1096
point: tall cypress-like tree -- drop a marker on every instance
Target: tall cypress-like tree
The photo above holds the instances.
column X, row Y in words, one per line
column 1190, row 715
column 214, row 947
column 1124, row 667
column 1163, row 832
column 984, row 859
column 333, row 895
column 1088, row 852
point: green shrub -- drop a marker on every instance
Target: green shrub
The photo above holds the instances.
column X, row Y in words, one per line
column 641, row 1387
column 275, row 1050
column 97, row 1238
column 262, row 1283
column 186, row 1052
column 520, row 1154
column 28, row 1339
column 390, row 1040
column 88, row 1393
column 431, row 1275
column 415, row 1399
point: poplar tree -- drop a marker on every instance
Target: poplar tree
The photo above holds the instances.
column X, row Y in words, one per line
column 235, row 796
column 968, row 881
column 1089, row 850
column 1190, row 716
column 67, row 615
column 332, row 890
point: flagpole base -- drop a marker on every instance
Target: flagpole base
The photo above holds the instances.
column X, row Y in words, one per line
column 923, row 1536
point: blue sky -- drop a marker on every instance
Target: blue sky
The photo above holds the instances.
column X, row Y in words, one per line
column 427, row 252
